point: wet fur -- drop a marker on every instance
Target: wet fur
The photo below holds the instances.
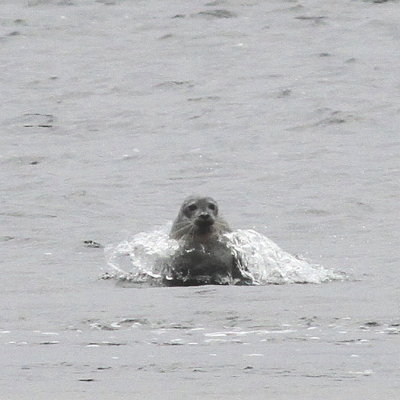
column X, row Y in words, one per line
column 203, row 256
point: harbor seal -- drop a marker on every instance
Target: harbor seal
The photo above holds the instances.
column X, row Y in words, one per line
column 203, row 257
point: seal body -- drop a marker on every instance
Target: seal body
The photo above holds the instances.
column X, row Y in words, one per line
column 203, row 256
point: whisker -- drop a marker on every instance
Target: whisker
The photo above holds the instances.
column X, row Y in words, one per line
column 181, row 228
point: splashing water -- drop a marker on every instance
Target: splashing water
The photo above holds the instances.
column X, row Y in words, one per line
column 140, row 259
column 269, row 264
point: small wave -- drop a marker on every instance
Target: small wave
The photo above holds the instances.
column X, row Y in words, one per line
column 140, row 260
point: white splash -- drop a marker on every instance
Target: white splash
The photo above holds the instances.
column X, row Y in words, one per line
column 140, row 259
column 269, row 264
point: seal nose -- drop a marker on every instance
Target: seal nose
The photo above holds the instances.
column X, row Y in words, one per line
column 204, row 216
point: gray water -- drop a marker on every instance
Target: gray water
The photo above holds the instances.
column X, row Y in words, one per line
column 286, row 112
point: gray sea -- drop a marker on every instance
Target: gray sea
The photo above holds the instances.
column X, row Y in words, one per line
column 286, row 112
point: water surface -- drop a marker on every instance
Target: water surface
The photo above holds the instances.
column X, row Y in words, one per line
column 286, row 112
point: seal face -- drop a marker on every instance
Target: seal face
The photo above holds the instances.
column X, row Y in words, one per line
column 198, row 221
column 203, row 256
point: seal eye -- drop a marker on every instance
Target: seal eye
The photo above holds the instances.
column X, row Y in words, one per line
column 192, row 207
column 211, row 206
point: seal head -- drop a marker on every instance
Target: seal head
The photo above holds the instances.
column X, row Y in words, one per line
column 198, row 221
